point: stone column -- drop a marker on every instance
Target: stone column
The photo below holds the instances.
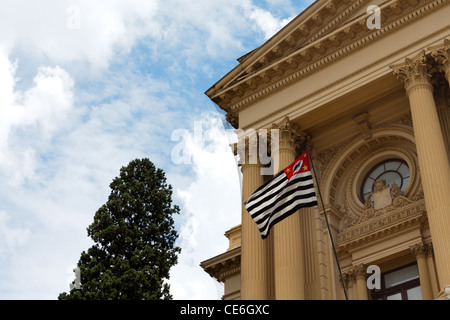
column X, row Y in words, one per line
column 255, row 252
column 432, row 270
column 432, row 154
column 420, row 251
column 442, row 98
column 288, row 252
column 361, row 282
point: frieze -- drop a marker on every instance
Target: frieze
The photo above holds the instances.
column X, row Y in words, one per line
column 225, row 269
column 232, row 102
column 385, row 221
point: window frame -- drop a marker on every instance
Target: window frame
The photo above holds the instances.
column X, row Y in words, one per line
column 367, row 176
column 401, row 288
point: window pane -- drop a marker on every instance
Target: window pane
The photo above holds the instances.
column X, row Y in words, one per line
column 392, row 177
column 405, row 184
column 368, row 186
column 401, row 276
column 414, row 293
column 397, row 296
column 377, row 172
column 404, row 170
column 393, row 165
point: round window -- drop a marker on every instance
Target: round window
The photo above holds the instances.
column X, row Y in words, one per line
column 392, row 171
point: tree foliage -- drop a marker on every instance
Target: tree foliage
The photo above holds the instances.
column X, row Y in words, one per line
column 134, row 240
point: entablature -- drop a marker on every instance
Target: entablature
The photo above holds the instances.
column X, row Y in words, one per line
column 281, row 66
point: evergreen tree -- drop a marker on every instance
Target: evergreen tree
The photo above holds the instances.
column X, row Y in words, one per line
column 134, row 239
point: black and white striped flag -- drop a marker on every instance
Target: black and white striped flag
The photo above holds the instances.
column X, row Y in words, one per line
column 289, row 191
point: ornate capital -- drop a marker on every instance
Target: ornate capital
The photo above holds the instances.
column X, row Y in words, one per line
column 349, row 277
column 442, row 56
column 247, row 148
column 290, row 135
column 414, row 73
column 419, row 250
column 360, row 271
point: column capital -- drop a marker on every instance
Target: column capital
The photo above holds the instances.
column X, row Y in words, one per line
column 290, row 135
column 349, row 277
column 360, row 271
column 247, row 147
column 414, row 72
column 441, row 54
column 420, row 250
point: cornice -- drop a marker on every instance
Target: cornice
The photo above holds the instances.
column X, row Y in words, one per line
column 314, row 56
column 390, row 224
column 224, row 265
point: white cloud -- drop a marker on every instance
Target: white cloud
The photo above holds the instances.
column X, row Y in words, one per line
column 265, row 21
column 11, row 237
column 95, row 31
column 32, row 116
column 104, row 26
column 96, row 93
column 211, row 205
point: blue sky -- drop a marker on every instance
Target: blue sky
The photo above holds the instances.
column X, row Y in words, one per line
column 86, row 87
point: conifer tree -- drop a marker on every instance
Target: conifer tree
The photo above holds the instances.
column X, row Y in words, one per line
column 134, row 238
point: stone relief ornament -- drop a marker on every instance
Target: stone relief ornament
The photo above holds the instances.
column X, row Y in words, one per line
column 384, row 199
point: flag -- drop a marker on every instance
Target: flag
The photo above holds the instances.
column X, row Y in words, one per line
column 289, row 191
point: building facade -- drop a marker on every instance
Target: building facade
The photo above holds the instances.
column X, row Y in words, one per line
column 365, row 84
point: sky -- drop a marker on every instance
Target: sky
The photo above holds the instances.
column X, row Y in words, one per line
column 88, row 86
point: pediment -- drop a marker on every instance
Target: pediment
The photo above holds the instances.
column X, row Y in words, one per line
column 307, row 43
column 319, row 20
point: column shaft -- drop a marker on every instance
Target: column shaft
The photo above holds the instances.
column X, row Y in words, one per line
column 255, row 252
column 361, row 283
column 435, row 172
column 433, row 161
column 420, row 252
column 287, row 235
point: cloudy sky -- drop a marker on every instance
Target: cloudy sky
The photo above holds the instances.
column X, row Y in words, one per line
column 87, row 86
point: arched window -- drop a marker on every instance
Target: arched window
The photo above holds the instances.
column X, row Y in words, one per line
column 392, row 171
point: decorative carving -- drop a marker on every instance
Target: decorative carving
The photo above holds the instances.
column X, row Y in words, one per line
column 368, row 203
column 383, row 224
column 381, row 195
column 442, row 57
column 254, row 148
column 414, row 72
column 291, row 137
column 419, row 250
column 360, row 271
column 422, row 249
column 419, row 195
column 224, row 266
column 405, row 119
column 364, row 126
column 349, row 278
column 387, row 199
column 349, row 42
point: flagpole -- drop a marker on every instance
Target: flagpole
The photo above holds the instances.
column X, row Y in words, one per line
column 328, row 224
